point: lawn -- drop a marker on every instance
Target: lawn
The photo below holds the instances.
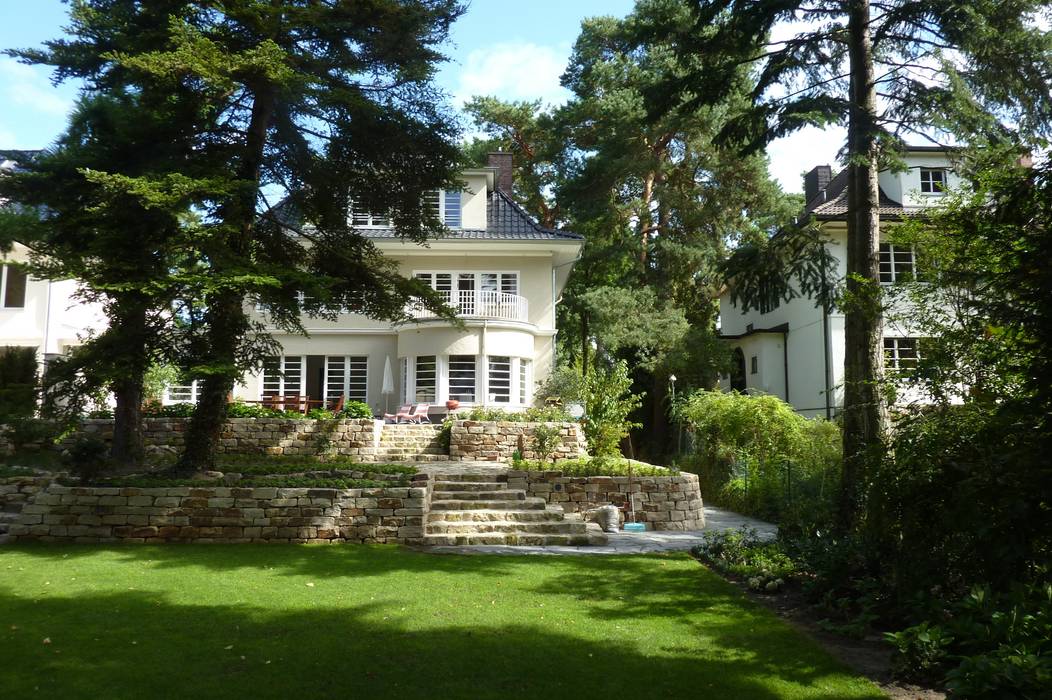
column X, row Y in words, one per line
column 218, row 621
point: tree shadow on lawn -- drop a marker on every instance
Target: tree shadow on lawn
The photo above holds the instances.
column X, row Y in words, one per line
column 137, row 644
column 321, row 561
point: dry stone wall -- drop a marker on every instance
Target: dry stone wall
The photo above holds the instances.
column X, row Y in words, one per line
column 662, row 502
column 226, row 514
column 497, row 441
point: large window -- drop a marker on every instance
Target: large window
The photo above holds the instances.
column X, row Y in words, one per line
column 901, row 353
column 283, row 376
column 346, row 376
column 933, row 180
column 462, row 378
column 13, row 287
column 403, row 378
column 426, row 376
column 897, row 263
column 499, row 379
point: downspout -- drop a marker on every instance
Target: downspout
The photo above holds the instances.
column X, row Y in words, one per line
column 825, row 355
column 785, row 361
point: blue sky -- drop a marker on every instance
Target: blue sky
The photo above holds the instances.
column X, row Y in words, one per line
column 507, row 49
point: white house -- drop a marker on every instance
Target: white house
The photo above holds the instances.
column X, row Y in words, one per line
column 503, row 273
column 796, row 351
column 42, row 314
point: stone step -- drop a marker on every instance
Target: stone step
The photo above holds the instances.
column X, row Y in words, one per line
column 499, row 495
column 514, row 539
column 526, row 504
column 412, row 450
column 490, row 478
column 485, row 515
column 456, row 527
column 470, row 485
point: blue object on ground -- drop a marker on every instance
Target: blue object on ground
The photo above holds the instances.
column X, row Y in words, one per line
column 635, row 527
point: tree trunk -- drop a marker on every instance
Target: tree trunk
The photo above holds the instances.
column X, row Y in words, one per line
column 128, row 449
column 227, row 323
column 658, row 428
column 865, row 413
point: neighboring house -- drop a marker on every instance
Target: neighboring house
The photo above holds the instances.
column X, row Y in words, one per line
column 42, row 314
column 502, row 272
column 796, row 351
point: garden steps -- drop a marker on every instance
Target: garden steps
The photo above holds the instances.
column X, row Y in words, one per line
column 410, row 442
column 480, row 509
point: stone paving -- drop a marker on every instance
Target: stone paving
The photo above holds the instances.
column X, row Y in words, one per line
column 716, row 520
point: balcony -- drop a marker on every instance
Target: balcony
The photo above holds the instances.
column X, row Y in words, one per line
column 470, row 303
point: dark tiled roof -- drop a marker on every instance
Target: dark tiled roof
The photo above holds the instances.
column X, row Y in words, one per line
column 505, row 221
column 831, row 203
column 9, row 158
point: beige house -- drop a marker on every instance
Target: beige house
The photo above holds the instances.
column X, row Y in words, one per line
column 501, row 271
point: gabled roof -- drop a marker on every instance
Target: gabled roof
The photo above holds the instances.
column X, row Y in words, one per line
column 831, row 203
column 505, row 221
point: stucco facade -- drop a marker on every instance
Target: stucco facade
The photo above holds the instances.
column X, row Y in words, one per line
column 796, row 351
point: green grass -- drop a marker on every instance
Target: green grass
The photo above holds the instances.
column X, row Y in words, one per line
column 355, row 621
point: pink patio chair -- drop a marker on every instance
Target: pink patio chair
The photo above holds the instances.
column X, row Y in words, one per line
column 419, row 415
column 403, row 412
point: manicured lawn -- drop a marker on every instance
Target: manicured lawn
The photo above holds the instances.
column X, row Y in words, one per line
column 358, row 622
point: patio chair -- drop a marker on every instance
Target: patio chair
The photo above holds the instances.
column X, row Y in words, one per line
column 419, row 415
column 403, row 412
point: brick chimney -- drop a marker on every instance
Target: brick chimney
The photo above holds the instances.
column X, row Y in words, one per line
column 816, row 181
column 505, row 175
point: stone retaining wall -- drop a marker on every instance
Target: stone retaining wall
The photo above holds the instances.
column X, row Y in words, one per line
column 226, row 514
column 662, row 502
column 472, row 441
column 17, row 491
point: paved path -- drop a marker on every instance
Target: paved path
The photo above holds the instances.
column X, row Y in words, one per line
column 716, row 520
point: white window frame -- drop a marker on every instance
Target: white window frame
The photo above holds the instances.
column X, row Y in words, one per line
column 283, row 378
column 3, row 288
column 416, row 380
column 403, row 379
column 928, row 181
column 346, row 376
column 474, row 382
column 191, row 389
column 439, row 199
column 430, row 276
column 893, row 346
column 887, row 257
column 525, row 380
column 509, row 381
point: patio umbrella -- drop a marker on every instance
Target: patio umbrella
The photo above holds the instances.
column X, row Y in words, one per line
column 388, row 386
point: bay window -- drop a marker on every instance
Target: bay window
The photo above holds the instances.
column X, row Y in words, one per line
column 499, row 379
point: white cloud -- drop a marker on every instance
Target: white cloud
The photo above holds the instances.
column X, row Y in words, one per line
column 795, row 154
column 514, row 71
column 27, row 87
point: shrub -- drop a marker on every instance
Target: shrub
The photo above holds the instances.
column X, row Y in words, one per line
column 764, row 565
column 320, row 414
column 608, row 403
column 240, row 409
column 87, row 458
column 356, row 409
column 546, row 439
column 105, row 413
column 756, row 455
column 547, row 414
column 564, row 386
column 18, row 382
column 594, row 466
column 25, row 431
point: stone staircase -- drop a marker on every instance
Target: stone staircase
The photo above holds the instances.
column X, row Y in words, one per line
column 410, row 442
column 480, row 509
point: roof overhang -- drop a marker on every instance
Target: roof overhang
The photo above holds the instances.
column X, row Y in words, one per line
column 781, row 328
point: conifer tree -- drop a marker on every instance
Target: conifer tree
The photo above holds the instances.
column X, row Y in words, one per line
column 330, row 102
column 885, row 69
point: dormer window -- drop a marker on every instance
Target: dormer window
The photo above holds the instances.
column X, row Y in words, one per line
column 444, row 203
column 933, row 180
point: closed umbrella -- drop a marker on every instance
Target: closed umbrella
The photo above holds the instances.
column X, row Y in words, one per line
column 388, row 387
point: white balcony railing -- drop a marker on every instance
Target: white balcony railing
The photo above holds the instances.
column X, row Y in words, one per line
column 471, row 303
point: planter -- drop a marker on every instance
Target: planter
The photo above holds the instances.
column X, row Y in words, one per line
column 452, row 405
